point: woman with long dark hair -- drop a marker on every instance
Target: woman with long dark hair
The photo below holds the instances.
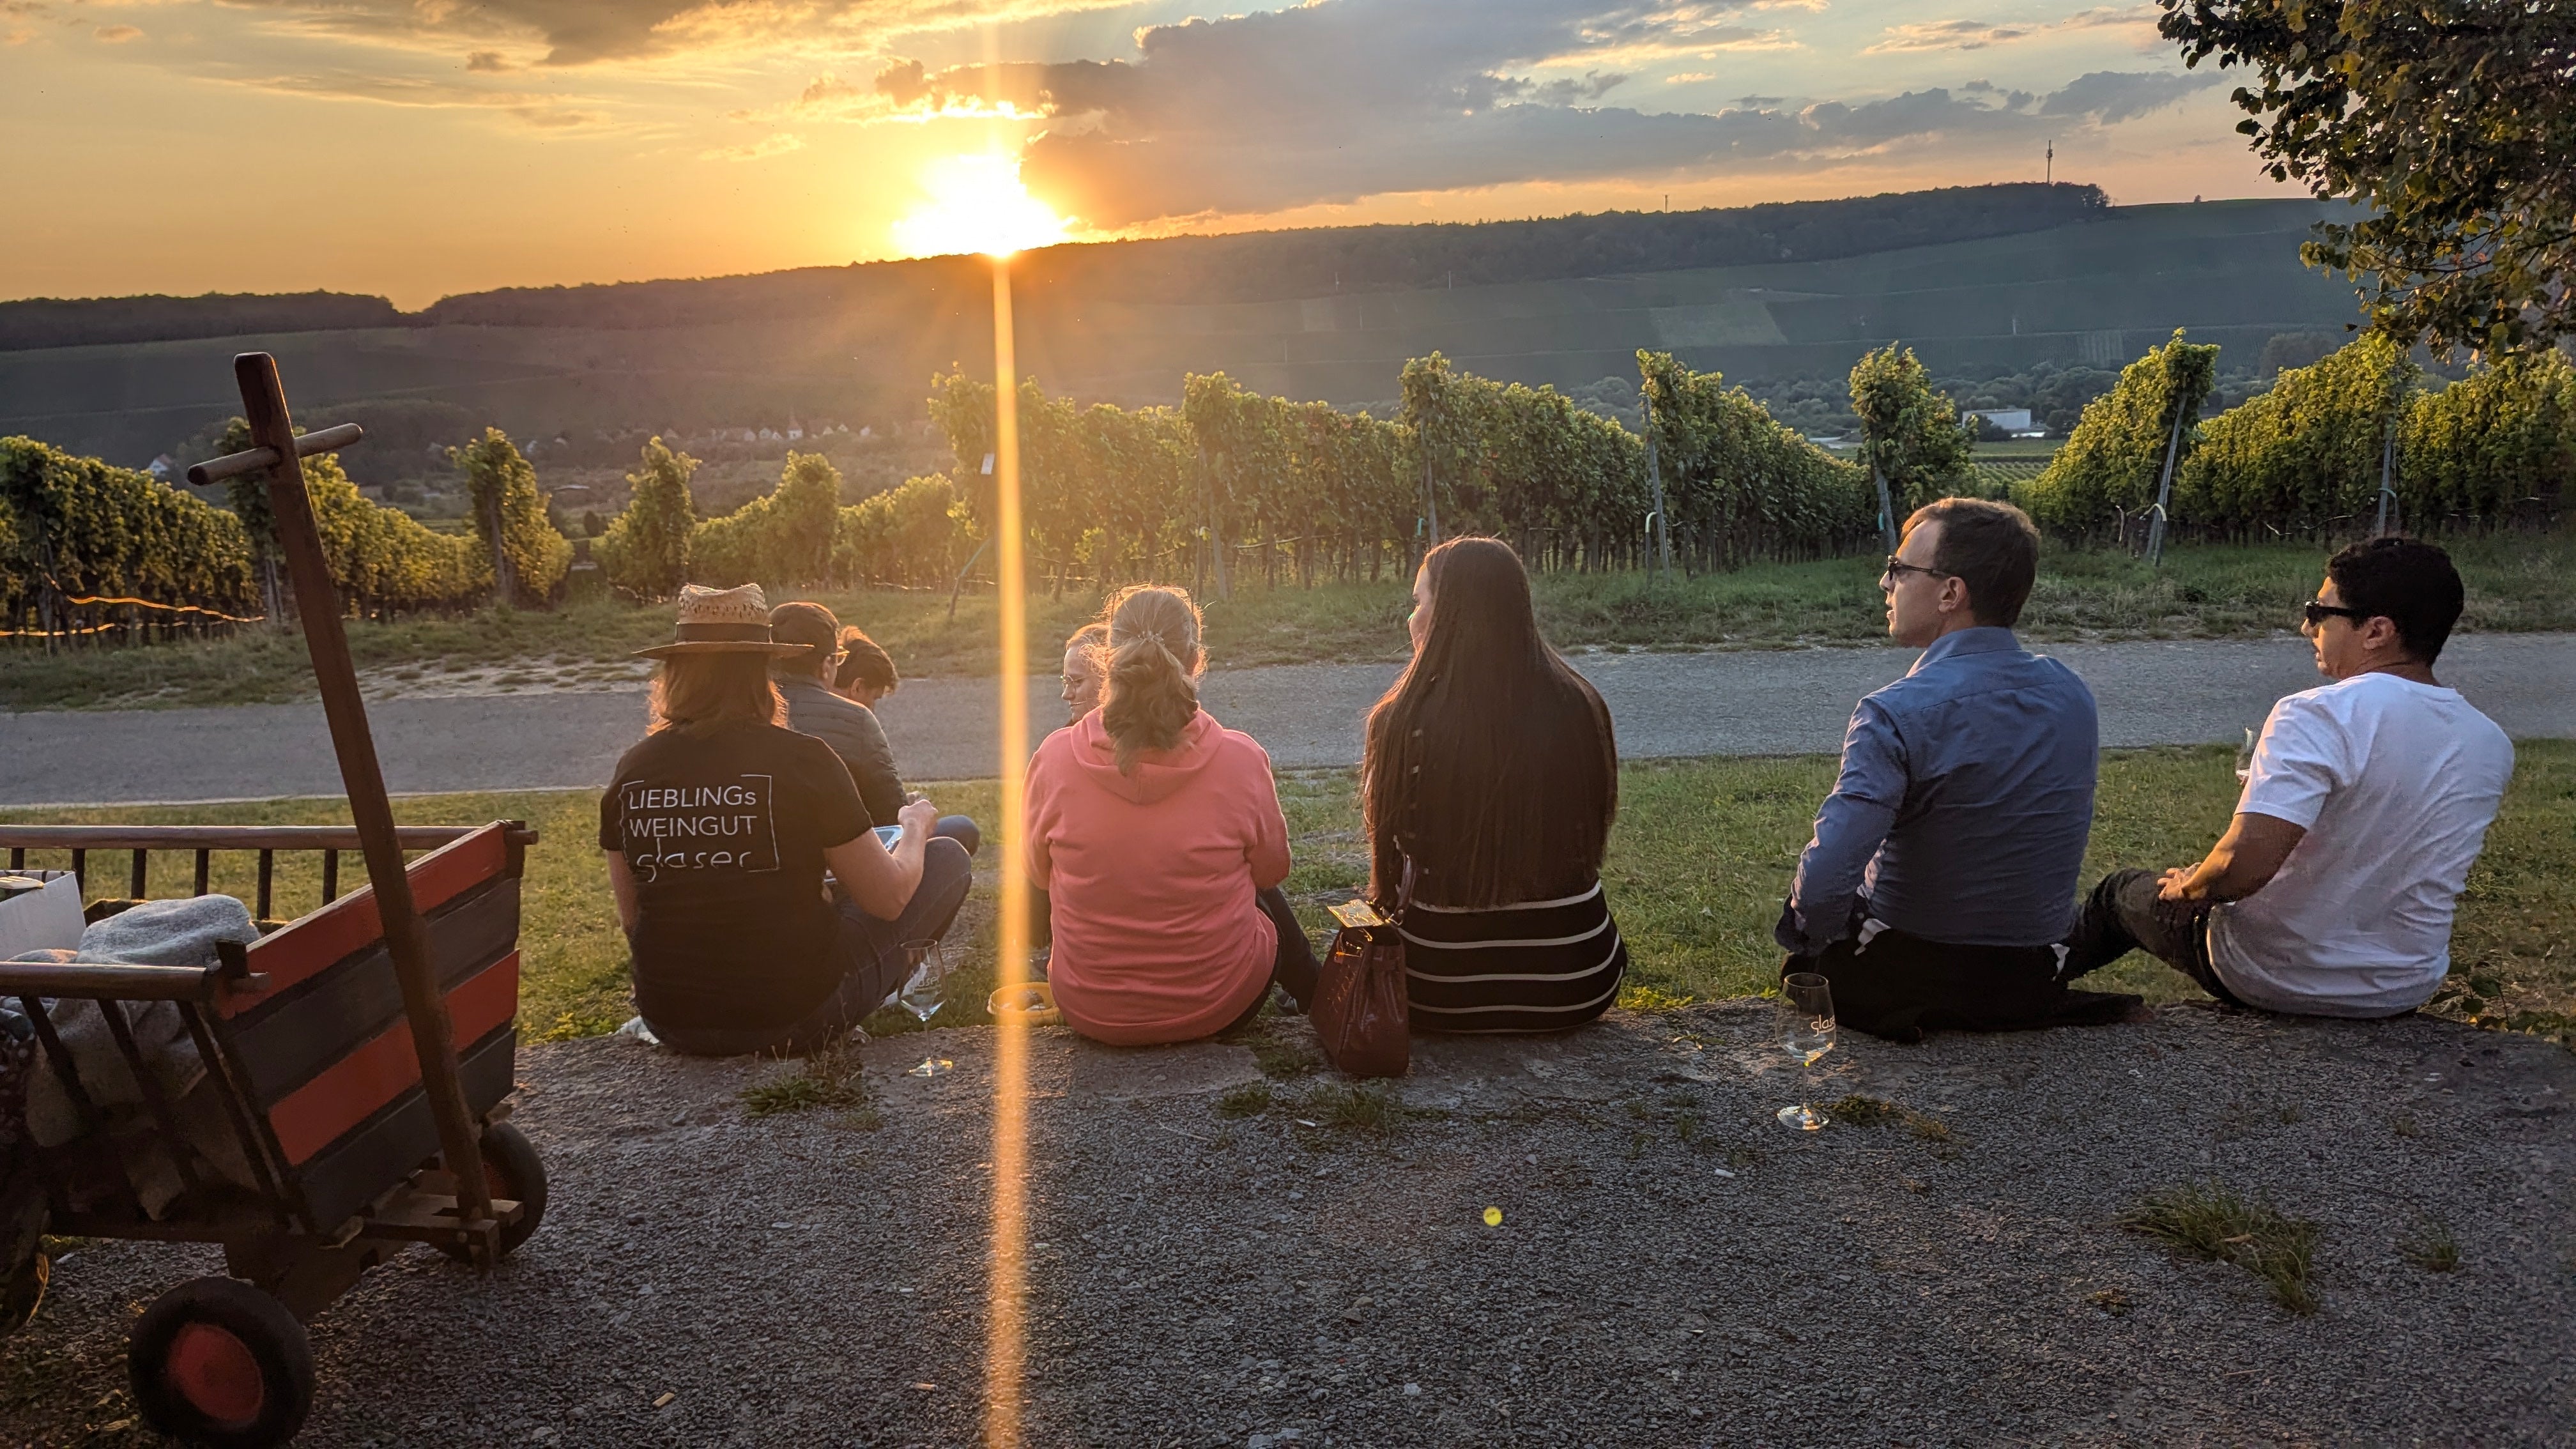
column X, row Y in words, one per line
column 1491, row 766
column 1156, row 833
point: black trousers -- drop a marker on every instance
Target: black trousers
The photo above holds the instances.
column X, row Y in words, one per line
column 1294, row 967
column 2125, row 913
column 1900, row 986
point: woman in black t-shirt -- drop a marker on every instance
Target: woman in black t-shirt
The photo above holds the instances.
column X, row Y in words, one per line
column 718, row 828
column 1491, row 765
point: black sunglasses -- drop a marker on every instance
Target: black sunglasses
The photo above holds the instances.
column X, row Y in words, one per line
column 2317, row 613
column 1897, row 567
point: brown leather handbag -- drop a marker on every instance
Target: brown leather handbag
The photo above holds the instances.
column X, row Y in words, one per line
column 1361, row 1011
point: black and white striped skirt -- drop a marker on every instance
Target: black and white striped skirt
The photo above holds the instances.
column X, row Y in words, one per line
column 1536, row 966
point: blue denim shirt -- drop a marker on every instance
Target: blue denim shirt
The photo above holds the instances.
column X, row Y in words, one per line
column 1965, row 799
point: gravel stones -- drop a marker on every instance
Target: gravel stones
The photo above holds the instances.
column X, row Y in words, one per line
column 705, row 1278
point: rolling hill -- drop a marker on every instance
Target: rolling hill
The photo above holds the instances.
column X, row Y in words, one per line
column 1982, row 282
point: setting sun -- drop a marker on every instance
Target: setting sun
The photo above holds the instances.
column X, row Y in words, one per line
column 977, row 204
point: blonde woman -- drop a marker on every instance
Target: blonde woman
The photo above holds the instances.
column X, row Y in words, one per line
column 718, row 828
column 1157, row 834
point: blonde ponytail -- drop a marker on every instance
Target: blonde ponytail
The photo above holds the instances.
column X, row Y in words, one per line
column 1150, row 669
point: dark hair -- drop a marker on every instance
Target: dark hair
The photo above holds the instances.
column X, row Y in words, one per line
column 699, row 694
column 1991, row 547
column 2406, row 581
column 811, row 625
column 866, row 663
column 1149, row 669
column 1490, row 761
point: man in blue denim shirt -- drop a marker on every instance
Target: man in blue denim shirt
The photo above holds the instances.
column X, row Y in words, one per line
column 1944, row 866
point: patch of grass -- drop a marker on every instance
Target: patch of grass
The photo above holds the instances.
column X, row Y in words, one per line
column 1250, row 1099
column 1649, row 999
column 2211, row 1222
column 1349, row 1107
column 829, row 1079
column 1860, row 1111
column 2203, row 591
column 2432, row 1247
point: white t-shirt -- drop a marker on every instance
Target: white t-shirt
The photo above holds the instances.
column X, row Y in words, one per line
column 2396, row 783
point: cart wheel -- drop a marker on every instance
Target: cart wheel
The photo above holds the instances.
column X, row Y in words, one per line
column 24, row 1268
column 217, row 1362
column 511, row 1170
column 24, row 1293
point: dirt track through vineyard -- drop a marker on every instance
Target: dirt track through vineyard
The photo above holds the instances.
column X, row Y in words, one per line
column 1664, row 705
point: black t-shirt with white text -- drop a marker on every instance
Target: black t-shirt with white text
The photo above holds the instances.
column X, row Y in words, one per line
column 724, row 835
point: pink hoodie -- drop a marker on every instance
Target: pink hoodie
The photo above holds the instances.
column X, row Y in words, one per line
column 1151, row 879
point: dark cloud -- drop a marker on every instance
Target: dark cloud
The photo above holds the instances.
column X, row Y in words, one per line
column 1344, row 99
column 2112, row 96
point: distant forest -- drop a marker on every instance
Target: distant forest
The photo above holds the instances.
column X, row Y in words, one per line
column 47, row 322
column 1246, row 267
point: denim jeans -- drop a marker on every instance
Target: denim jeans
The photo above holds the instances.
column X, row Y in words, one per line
column 870, row 952
column 959, row 828
column 2127, row 912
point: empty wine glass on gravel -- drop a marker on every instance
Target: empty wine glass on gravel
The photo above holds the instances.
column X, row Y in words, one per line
column 925, row 968
column 1807, row 1030
column 2245, row 758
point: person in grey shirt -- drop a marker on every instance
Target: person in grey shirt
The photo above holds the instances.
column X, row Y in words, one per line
column 1944, row 866
column 850, row 728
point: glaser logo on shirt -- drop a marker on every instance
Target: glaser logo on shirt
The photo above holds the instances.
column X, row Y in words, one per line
column 699, row 827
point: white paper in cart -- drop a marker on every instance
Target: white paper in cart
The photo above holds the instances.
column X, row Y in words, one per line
column 45, row 920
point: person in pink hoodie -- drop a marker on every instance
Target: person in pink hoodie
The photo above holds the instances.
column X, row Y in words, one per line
column 1157, row 835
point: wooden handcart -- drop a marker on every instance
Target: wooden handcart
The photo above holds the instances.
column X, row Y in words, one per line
column 355, row 1057
column 304, row 1048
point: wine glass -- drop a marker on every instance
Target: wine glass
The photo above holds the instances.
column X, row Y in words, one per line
column 925, row 969
column 1806, row 1018
column 2245, row 758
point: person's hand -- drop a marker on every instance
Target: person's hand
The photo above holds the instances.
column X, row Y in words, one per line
column 2173, row 884
column 918, row 817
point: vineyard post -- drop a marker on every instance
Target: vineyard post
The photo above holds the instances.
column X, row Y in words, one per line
column 1662, row 543
column 1886, row 509
column 2164, row 488
column 2387, row 465
column 1430, row 502
column 432, row 1034
column 503, row 584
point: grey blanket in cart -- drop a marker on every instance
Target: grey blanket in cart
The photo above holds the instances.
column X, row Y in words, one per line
column 156, row 933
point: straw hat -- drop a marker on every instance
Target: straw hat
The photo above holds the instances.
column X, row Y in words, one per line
column 723, row 621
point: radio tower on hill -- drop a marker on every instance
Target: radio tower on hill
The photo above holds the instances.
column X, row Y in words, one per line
column 2048, row 177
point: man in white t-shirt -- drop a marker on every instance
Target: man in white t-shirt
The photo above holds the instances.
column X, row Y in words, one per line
column 2368, row 801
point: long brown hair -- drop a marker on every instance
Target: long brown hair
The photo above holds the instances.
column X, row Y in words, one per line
column 1149, row 669
column 699, row 694
column 1489, row 761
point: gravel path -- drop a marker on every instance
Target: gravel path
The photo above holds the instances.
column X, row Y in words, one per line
column 1777, row 702
column 1670, row 1268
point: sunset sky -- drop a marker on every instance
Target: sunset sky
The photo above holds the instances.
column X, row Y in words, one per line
column 415, row 148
